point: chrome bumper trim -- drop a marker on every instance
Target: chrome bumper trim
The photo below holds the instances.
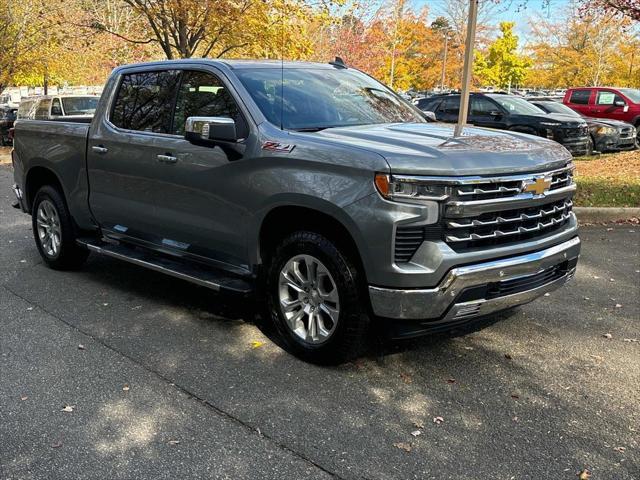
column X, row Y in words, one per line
column 438, row 302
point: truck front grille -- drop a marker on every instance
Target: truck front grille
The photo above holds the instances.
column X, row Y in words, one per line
column 498, row 211
column 483, row 212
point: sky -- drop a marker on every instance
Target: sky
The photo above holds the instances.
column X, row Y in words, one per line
column 508, row 10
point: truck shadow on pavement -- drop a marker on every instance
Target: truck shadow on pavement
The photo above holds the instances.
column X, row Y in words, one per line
column 517, row 399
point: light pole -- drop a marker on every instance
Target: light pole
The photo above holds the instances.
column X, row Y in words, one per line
column 468, row 67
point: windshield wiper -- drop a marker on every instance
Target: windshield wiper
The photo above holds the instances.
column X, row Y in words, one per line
column 310, row 129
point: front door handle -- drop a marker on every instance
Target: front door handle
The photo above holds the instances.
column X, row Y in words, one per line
column 167, row 159
column 99, row 149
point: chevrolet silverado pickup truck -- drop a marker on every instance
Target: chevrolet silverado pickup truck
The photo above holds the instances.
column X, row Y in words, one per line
column 311, row 187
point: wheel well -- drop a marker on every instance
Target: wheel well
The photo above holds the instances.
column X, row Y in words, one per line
column 283, row 221
column 37, row 178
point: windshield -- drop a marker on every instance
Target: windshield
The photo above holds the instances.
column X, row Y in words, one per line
column 315, row 99
column 517, row 105
column 632, row 94
column 79, row 105
column 555, row 107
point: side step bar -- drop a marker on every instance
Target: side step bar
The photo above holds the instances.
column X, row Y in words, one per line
column 191, row 272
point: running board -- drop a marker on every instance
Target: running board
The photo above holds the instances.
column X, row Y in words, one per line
column 191, row 272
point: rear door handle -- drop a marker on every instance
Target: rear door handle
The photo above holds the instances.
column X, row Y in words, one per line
column 99, row 149
column 167, row 159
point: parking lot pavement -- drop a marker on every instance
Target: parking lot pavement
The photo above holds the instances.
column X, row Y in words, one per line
column 541, row 394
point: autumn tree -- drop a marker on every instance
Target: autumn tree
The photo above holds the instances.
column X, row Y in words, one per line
column 601, row 49
column 501, row 65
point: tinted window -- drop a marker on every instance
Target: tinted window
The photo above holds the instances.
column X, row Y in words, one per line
column 608, row 98
column 428, row 104
column 80, row 105
column 516, row 105
column 145, row 101
column 580, row 97
column 312, row 99
column 450, row 105
column 482, row 106
column 25, row 110
column 42, row 111
column 56, row 109
column 204, row 95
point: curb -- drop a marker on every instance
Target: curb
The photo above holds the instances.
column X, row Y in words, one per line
column 605, row 214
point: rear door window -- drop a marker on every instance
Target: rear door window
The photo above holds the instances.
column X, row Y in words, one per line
column 202, row 94
column 580, row 97
column 145, row 101
column 450, row 105
column 42, row 112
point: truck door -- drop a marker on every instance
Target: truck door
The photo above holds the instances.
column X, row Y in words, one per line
column 579, row 101
column 123, row 149
column 199, row 201
column 608, row 104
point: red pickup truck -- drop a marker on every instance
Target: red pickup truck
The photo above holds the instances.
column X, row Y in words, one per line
column 606, row 102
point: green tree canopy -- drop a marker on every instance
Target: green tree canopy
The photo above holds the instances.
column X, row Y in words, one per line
column 502, row 65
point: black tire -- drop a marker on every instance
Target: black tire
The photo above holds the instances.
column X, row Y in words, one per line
column 349, row 338
column 69, row 255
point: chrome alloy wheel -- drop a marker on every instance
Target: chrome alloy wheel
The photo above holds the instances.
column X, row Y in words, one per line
column 309, row 299
column 49, row 232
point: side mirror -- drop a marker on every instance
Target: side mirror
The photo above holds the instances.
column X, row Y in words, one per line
column 620, row 103
column 210, row 129
column 56, row 110
column 430, row 116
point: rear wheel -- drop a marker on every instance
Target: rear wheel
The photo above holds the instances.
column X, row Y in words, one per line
column 314, row 299
column 54, row 232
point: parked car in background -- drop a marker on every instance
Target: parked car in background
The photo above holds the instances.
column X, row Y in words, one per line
column 49, row 107
column 7, row 117
column 606, row 134
column 508, row 112
column 606, row 102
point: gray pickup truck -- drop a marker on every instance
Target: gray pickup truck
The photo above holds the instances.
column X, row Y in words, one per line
column 311, row 186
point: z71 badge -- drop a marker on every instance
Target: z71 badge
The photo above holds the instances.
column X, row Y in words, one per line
column 278, row 147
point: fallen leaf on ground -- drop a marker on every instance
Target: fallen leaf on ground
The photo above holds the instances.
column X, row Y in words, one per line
column 403, row 446
column 80, row 347
column 406, row 378
column 415, row 433
column 451, row 380
column 620, row 449
column 607, row 335
column 597, row 357
column 105, row 304
column 633, row 340
column 173, row 442
column 507, row 356
column 515, row 396
column 468, row 348
column 418, row 424
column 23, row 397
column 438, row 420
column 68, row 408
column 56, row 444
column 584, row 474
column 256, row 344
column 618, row 305
column 29, row 308
column 547, row 294
column 125, row 388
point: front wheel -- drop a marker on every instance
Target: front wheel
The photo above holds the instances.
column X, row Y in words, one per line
column 54, row 232
column 314, row 299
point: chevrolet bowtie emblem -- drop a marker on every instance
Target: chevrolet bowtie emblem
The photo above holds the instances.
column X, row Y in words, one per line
column 537, row 186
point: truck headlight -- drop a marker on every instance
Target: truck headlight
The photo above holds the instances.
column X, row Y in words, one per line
column 606, row 130
column 409, row 189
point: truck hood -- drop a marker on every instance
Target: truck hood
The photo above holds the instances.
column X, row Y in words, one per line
column 431, row 149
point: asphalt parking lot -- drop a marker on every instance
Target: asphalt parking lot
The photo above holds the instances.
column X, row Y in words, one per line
column 162, row 379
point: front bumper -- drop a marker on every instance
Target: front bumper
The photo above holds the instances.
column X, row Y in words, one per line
column 577, row 147
column 479, row 290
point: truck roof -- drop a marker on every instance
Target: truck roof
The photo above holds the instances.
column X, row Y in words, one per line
column 233, row 64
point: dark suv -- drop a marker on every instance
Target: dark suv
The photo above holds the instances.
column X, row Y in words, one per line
column 7, row 117
column 508, row 112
